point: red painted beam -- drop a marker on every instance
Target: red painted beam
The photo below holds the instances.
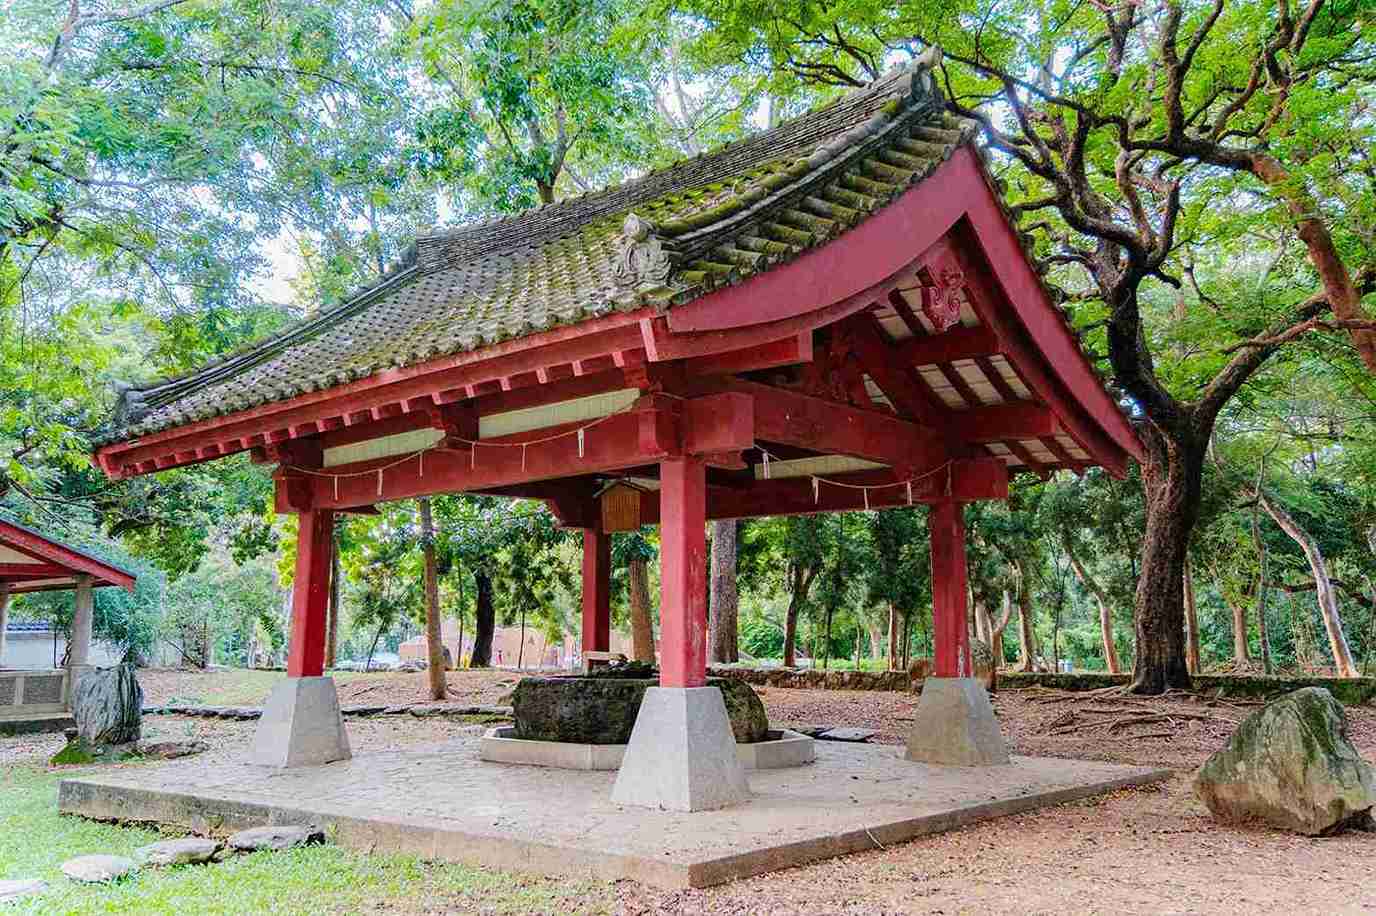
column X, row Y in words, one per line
column 1030, row 463
column 995, row 377
column 1031, row 365
column 711, row 424
column 997, row 422
column 947, row 347
column 971, row 480
column 950, row 628
column 828, row 427
column 683, row 573
column 33, row 570
column 884, row 366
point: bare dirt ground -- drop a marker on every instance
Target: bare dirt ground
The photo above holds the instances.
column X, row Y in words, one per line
column 1143, row 851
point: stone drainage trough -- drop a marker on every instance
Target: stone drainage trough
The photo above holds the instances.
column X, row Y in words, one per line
column 443, row 802
column 781, row 748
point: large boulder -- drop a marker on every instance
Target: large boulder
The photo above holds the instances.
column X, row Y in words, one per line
column 602, row 709
column 107, row 705
column 1291, row 764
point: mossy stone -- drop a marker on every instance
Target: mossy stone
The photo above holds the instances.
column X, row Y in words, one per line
column 602, row 709
column 1292, row 765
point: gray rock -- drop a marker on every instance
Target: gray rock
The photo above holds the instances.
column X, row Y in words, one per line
column 184, row 851
column 276, row 837
column 169, row 750
column 602, row 710
column 853, row 735
column 11, row 891
column 107, row 705
column 363, row 710
column 97, row 868
column 427, row 711
column 398, row 710
column 1291, row 765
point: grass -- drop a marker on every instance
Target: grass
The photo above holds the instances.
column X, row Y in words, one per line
column 35, row 840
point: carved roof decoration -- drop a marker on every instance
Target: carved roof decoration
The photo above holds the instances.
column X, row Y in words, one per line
column 660, row 240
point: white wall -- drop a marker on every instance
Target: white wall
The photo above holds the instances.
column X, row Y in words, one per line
column 35, row 650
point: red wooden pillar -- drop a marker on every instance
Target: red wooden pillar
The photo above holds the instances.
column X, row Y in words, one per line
column 683, row 573
column 946, row 524
column 310, row 593
column 597, row 599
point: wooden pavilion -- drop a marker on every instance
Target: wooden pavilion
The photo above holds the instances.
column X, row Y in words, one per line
column 31, row 562
column 834, row 314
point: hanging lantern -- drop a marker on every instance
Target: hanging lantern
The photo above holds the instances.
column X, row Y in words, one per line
column 620, row 507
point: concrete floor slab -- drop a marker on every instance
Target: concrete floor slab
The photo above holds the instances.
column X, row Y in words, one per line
column 443, row 802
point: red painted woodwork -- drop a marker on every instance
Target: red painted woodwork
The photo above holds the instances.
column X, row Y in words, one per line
column 697, row 425
column 1052, row 341
column 765, row 321
column 996, row 422
column 597, row 599
column 446, row 380
column 683, row 573
column 882, row 363
column 880, row 248
column 971, row 480
column 950, row 630
column 74, row 562
column 1026, row 457
column 310, row 593
column 12, row 571
column 825, row 426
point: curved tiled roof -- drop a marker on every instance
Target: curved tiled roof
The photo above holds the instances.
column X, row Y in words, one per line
column 663, row 239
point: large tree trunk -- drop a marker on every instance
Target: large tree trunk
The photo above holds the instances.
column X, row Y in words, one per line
column 984, row 626
column 875, row 631
column 1328, row 598
column 1263, row 631
column 1028, row 648
column 894, row 627
column 332, row 627
column 1171, row 478
column 485, row 620
column 642, row 627
column 1242, row 657
column 1105, row 614
column 801, row 584
column 1191, row 620
column 725, row 607
column 997, row 631
column 434, row 637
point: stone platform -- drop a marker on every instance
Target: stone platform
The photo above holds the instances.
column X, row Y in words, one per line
column 38, row 723
column 443, row 802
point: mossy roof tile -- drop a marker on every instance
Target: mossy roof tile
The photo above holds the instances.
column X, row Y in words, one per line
column 662, row 239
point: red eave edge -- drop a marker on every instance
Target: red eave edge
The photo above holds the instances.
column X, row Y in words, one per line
column 1055, row 340
column 427, row 377
column 40, row 547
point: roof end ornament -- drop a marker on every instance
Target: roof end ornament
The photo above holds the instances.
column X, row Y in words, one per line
column 642, row 264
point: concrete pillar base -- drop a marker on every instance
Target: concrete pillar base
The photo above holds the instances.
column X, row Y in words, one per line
column 955, row 725
column 682, row 755
column 301, row 725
